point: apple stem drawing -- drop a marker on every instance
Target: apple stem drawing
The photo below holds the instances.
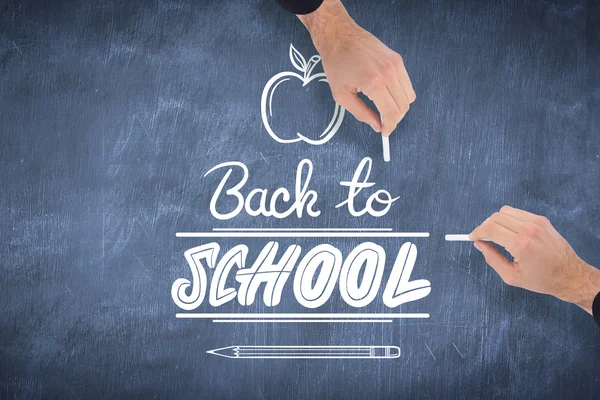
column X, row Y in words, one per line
column 306, row 68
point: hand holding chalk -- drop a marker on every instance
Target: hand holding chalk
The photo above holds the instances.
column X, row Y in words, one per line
column 356, row 61
column 543, row 260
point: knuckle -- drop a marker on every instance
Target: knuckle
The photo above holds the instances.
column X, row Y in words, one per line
column 495, row 216
column 523, row 243
column 542, row 221
column 505, row 208
column 532, row 229
column 389, row 68
column 375, row 82
column 399, row 61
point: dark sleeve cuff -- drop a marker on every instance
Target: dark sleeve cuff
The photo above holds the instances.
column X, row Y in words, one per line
column 300, row 6
column 596, row 309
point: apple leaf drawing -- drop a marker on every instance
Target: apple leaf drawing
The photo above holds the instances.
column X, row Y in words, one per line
column 297, row 59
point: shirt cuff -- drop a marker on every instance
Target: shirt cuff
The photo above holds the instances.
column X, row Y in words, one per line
column 596, row 309
column 300, row 7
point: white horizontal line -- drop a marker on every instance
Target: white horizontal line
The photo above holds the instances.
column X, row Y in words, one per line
column 313, row 357
column 457, row 238
column 301, row 229
column 300, row 315
column 302, row 234
column 301, row 320
column 460, row 238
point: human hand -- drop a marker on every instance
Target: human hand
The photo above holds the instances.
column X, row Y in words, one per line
column 543, row 260
column 356, row 61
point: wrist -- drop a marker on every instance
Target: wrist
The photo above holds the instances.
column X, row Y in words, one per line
column 584, row 287
column 328, row 25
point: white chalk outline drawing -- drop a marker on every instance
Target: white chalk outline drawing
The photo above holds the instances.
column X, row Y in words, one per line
column 369, row 256
column 307, row 352
column 306, row 68
column 193, row 257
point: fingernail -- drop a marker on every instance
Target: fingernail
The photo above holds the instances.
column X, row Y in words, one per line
column 374, row 128
column 477, row 245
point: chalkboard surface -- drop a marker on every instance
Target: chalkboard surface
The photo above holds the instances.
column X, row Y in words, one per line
column 112, row 113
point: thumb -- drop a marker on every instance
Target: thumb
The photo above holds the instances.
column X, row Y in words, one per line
column 497, row 261
column 357, row 107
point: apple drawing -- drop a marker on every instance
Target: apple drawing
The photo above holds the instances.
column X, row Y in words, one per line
column 306, row 77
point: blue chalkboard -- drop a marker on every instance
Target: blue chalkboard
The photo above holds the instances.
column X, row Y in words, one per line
column 112, row 113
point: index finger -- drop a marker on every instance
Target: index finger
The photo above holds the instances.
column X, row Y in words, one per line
column 519, row 214
column 496, row 233
column 405, row 82
column 387, row 107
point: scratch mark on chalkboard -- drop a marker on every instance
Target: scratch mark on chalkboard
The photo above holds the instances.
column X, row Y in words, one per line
column 136, row 219
column 72, row 391
column 99, row 7
column 14, row 46
column 28, row 20
column 444, row 324
column 405, row 362
column 122, row 143
column 430, row 352
column 550, row 340
column 183, row 190
column 567, row 364
column 463, row 271
column 263, row 157
column 146, row 131
column 458, row 350
column 571, row 351
column 322, row 377
column 124, row 242
column 143, row 266
column 17, row 47
column 587, row 347
column 69, row 290
column 585, row 339
column 260, row 393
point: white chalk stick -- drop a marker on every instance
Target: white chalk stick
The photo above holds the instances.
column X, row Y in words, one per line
column 461, row 238
column 386, row 148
